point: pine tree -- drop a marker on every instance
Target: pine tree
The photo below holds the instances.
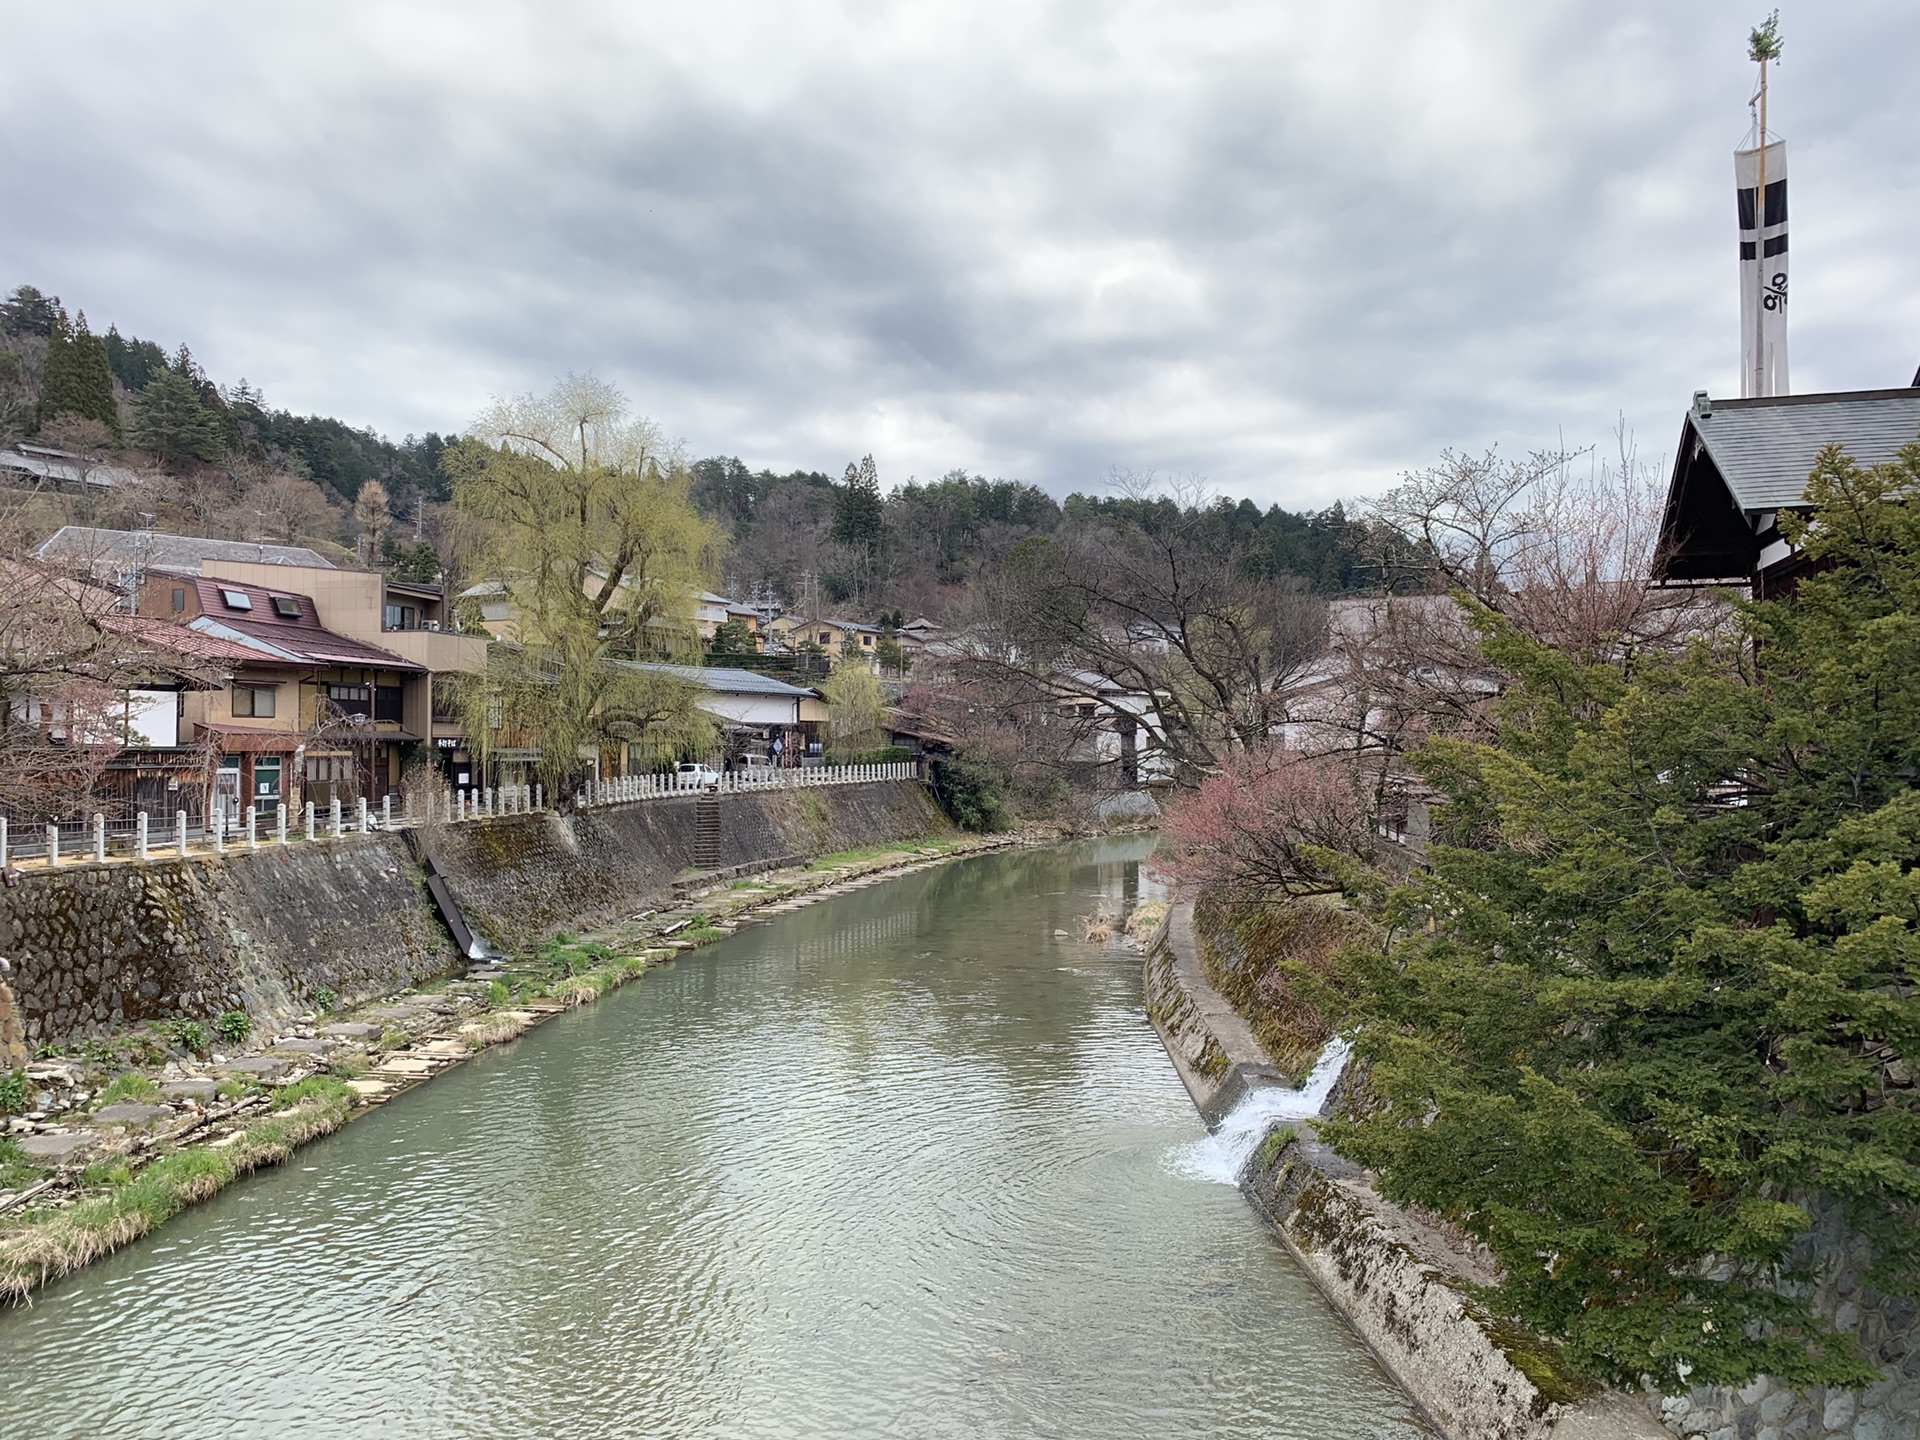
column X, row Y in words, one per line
column 77, row 379
column 26, row 311
column 1662, row 990
column 173, row 425
column 858, row 519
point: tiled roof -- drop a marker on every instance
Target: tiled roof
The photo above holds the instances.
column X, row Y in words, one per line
column 198, row 644
column 124, row 550
column 730, row 681
column 300, row 639
column 1765, row 448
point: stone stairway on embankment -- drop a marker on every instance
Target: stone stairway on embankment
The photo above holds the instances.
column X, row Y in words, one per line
column 708, row 851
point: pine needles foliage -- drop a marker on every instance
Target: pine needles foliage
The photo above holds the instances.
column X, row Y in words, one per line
column 1656, row 1001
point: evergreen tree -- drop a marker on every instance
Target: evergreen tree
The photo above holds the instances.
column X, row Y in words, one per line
column 858, row 512
column 1658, row 994
column 732, row 638
column 171, row 423
column 419, row 562
column 77, row 379
column 134, row 362
column 28, row 312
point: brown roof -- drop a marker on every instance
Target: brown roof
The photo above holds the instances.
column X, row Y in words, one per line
column 300, row 636
column 194, row 643
column 233, row 739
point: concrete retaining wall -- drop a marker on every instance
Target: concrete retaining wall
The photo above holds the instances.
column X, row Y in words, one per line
column 98, row 947
column 1404, row 1285
column 1401, row 1284
column 523, row 878
column 95, row 948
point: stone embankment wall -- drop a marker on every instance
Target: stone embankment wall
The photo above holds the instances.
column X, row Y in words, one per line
column 1886, row 1330
column 525, row 877
column 94, row 948
column 1401, row 1284
column 97, row 947
column 1404, row 1285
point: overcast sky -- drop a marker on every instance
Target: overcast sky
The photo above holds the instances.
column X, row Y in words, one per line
column 1293, row 247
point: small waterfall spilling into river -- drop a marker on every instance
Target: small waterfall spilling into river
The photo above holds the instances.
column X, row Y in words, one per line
column 1219, row 1156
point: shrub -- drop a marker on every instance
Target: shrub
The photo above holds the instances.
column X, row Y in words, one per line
column 16, row 1092
column 188, row 1035
column 498, row 994
column 234, row 1026
column 1271, row 821
column 973, row 794
column 326, row 1001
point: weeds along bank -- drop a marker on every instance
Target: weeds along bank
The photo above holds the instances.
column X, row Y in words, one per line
column 130, row 1129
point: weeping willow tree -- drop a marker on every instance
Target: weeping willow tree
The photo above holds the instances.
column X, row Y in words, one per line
column 579, row 512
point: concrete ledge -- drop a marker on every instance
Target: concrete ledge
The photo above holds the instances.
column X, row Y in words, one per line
column 702, row 880
column 1403, row 1285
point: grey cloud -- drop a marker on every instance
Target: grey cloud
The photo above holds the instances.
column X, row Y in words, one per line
column 1296, row 248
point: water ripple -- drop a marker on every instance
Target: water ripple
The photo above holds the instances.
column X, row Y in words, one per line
column 891, row 1166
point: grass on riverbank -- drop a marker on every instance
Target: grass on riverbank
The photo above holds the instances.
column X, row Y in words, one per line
column 55, row 1243
column 906, row 851
column 130, row 1190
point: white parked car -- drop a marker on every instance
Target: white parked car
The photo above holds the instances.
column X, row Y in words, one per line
column 697, row 777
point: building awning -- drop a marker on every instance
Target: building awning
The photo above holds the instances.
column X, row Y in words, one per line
column 331, row 740
column 238, row 739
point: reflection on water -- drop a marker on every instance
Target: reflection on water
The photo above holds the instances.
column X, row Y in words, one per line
column 889, row 1166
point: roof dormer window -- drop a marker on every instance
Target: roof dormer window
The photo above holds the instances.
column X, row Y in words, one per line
column 237, row 599
column 287, row 607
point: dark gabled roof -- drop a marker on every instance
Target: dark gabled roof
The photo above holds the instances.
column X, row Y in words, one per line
column 126, row 550
column 1739, row 461
column 1764, row 449
column 298, row 639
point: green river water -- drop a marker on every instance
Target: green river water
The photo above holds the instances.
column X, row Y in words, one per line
column 905, row 1163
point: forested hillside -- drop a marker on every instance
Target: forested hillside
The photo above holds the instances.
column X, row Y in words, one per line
column 221, row 459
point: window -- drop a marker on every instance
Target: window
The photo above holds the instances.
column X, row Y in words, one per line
column 237, row 599
column 387, row 703
column 179, row 600
column 402, row 617
column 287, row 607
column 866, row 639
column 352, row 699
column 254, row 700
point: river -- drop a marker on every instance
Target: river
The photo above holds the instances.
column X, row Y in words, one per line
column 905, row 1163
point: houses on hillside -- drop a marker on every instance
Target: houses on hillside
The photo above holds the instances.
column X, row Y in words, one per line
column 299, row 681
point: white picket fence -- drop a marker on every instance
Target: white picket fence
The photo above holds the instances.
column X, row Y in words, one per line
column 160, row 837
column 631, row 789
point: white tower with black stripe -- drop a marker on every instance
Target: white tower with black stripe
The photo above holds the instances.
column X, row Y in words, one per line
column 1760, row 178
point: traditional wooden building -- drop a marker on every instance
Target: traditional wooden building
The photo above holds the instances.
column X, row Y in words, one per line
column 309, row 714
column 1741, row 464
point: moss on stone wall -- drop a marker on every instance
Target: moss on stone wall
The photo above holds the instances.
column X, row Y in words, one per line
column 1258, row 956
column 524, row 878
column 98, row 947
